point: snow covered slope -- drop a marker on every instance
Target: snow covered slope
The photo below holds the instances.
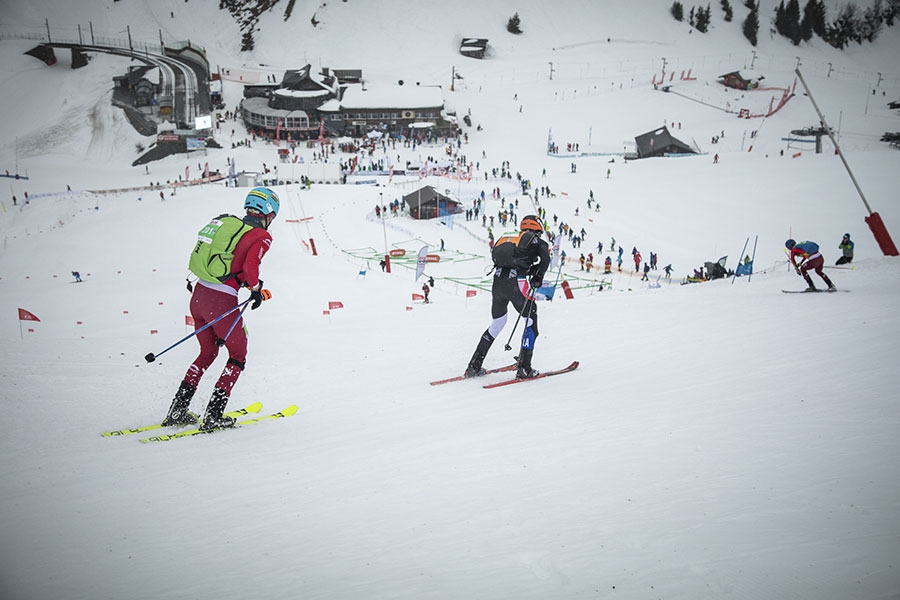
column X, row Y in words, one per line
column 719, row 440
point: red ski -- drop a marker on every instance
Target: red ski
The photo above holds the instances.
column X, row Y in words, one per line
column 487, row 372
column 543, row 374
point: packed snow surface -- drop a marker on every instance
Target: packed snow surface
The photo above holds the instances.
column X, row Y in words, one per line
column 719, row 440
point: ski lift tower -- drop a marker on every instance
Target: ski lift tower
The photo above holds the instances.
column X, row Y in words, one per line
column 816, row 132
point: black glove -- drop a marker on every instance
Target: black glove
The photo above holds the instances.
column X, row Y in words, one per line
column 536, row 282
column 258, row 295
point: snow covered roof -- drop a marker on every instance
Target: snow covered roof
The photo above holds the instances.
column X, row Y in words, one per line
column 745, row 74
column 391, row 96
column 660, row 142
column 287, row 93
column 305, row 80
column 260, row 106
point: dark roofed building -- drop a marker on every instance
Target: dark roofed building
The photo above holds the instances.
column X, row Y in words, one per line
column 345, row 76
column 741, row 80
column 473, row 47
column 428, row 203
column 660, row 142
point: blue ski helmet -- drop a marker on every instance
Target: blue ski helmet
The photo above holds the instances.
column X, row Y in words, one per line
column 790, row 244
column 262, row 200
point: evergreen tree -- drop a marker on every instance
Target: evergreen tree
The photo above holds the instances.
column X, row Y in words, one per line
column 780, row 23
column 891, row 12
column 729, row 12
column 678, row 11
column 751, row 24
column 792, row 19
column 870, row 25
column 845, row 27
column 703, row 18
column 247, row 42
column 806, row 30
column 814, row 19
column 787, row 21
column 514, row 25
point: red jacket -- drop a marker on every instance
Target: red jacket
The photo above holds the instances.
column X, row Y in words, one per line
column 248, row 253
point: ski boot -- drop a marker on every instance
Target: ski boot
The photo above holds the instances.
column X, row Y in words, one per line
column 178, row 412
column 474, row 369
column 524, row 371
column 214, row 419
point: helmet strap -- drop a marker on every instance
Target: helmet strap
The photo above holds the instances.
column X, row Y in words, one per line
column 257, row 218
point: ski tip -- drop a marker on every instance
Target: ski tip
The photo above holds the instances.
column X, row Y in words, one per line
column 289, row 411
column 254, row 408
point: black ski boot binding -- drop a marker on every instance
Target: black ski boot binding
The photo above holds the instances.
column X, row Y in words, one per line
column 214, row 417
column 524, row 371
column 178, row 412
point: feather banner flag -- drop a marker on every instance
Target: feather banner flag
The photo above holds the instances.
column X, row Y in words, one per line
column 420, row 261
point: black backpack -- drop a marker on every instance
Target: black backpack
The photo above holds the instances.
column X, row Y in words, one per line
column 510, row 249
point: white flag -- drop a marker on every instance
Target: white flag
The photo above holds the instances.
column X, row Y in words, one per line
column 420, row 263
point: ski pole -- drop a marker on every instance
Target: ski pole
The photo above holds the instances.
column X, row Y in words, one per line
column 221, row 341
column 527, row 306
column 151, row 357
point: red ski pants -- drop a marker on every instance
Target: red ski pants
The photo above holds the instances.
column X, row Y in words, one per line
column 206, row 305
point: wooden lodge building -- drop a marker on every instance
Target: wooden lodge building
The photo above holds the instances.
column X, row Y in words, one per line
column 305, row 105
column 741, row 80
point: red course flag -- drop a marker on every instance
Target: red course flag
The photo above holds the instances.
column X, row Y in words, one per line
column 334, row 304
column 470, row 293
column 417, row 297
column 24, row 315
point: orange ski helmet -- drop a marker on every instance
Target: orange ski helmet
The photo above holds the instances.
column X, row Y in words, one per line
column 531, row 223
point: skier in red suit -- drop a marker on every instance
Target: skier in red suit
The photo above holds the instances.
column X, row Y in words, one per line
column 810, row 258
column 210, row 300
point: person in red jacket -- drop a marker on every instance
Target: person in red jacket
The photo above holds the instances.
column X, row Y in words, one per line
column 210, row 300
column 810, row 258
